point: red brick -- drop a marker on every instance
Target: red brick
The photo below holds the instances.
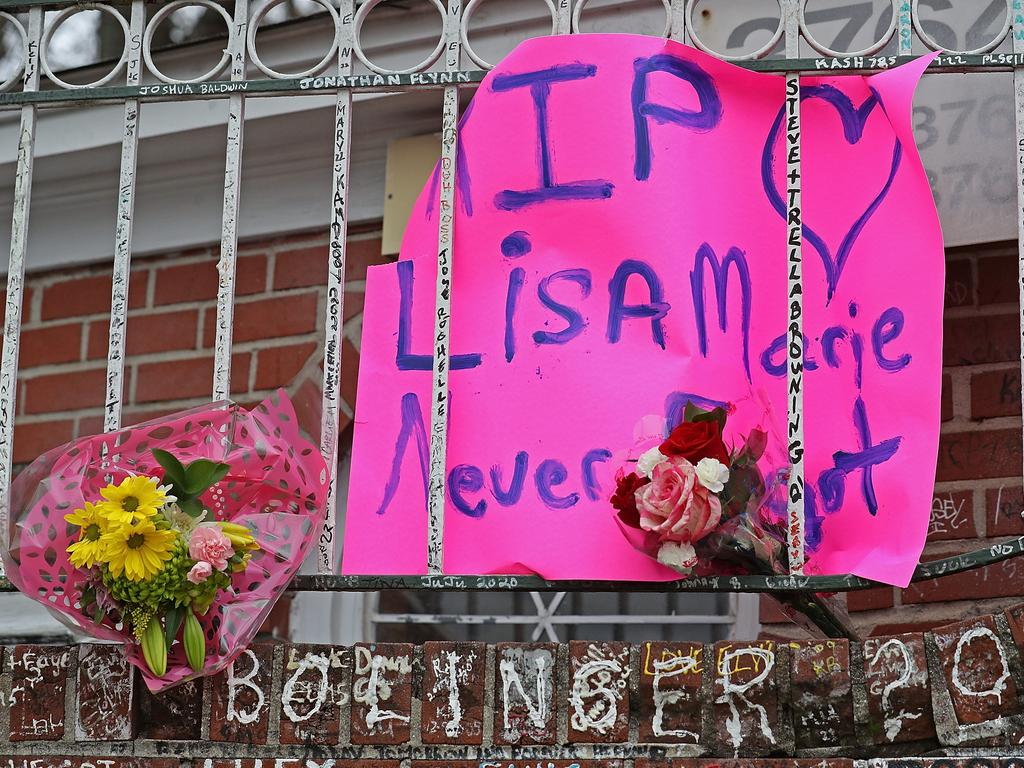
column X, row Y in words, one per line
column 38, row 760
column 525, row 668
column 771, row 612
column 199, row 280
column 822, row 694
column 897, row 688
column 148, row 334
column 751, row 666
column 997, row 280
column 175, row 714
column 1003, row 579
column 34, row 438
column 267, row 318
column 90, row 295
column 307, row 266
column 446, row 665
column 981, row 339
column 65, row 391
column 354, row 302
column 278, row 366
column 382, row 679
column 50, row 345
column 952, row 516
column 870, row 599
column 995, row 393
column 959, row 284
column 301, row 267
column 908, row 627
column 974, row 659
column 180, row 379
column 598, row 692
column 315, row 685
column 38, row 680
column 106, row 694
column 947, row 398
column 1015, row 618
column 349, row 373
column 669, row 707
column 980, row 454
column 240, row 702
column 1004, row 509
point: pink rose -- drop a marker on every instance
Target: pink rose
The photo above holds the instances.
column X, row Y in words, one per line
column 675, row 505
column 208, row 543
column 200, row 572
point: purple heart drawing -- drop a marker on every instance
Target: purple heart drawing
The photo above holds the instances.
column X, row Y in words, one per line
column 853, row 119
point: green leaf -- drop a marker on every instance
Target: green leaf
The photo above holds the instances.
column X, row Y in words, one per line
column 174, row 472
column 201, row 474
column 173, row 619
column 191, row 507
column 98, row 614
column 694, row 413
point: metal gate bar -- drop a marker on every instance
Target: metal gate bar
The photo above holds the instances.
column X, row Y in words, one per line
column 343, row 83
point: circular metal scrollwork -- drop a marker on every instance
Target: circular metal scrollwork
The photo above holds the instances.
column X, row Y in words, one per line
column 933, row 44
column 760, row 53
column 467, row 14
column 581, row 4
column 161, row 15
column 871, row 50
column 317, row 68
column 60, row 18
column 364, row 11
column 16, row 74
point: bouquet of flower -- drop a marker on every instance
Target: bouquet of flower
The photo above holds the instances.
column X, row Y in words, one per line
column 152, row 561
column 174, row 537
column 701, row 508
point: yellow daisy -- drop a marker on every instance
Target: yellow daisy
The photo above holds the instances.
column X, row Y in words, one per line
column 88, row 550
column 136, row 498
column 139, row 551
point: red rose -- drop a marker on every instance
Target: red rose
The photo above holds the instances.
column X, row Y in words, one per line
column 696, row 440
column 624, row 498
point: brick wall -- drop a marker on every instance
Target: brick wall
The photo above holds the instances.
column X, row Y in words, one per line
column 959, row 686
column 278, row 337
column 978, row 497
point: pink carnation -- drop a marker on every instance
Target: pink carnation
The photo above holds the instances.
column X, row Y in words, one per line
column 200, row 572
column 209, row 544
column 675, row 505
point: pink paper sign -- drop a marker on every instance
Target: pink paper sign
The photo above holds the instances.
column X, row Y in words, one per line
column 620, row 248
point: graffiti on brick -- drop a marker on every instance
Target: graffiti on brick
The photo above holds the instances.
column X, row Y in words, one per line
column 744, row 691
column 381, row 693
column 897, row 683
column 453, row 693
column 525, row 692
column 598, row 691
column 312, row 693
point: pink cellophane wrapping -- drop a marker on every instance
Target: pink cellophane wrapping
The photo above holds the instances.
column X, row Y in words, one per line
column 277, row 486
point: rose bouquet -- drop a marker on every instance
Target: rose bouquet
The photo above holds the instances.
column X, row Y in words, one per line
column 702, row 508
column 174, row 537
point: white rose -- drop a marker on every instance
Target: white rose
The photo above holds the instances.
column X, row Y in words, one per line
column 648, row 461
column 712, row 474
column 679, row 556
